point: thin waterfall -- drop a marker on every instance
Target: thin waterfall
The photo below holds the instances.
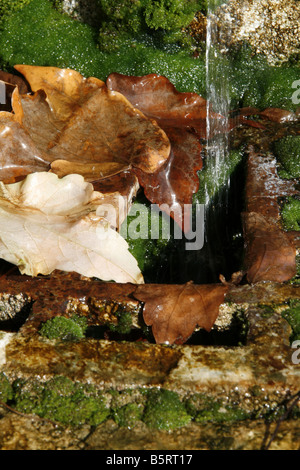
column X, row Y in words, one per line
column 217, row 89
column 217, row 217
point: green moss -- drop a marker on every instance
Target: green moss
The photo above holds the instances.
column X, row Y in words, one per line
column 287, row 152
column 40, row 35
column 252, row 81
column 6, row 390
column 205, row 409
column 149, row 235
column 209, row 185
column 219, row 414
column 124, row 324
column 292, row 315
column 272, row 87
column 127, row 18
column 296, row 279
column 170, row 14
column 290, row 214
column 64, row 328
column 73, row 404
column 27, row 396
column 8, row 7
column 61, row 400
column 128, row 415
column 165, row 411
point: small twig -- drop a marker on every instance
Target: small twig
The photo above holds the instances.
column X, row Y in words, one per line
column 27, row 415
column 9, row 408
column 294, row 402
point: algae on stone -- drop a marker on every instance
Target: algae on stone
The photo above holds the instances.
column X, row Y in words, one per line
column 208, row 186
column 149, row 235
column 6, row 390
column 61, row 400
column 287, row 152
column 292, row 315
column 290, row 214
column 164, row 410
column 64, row 328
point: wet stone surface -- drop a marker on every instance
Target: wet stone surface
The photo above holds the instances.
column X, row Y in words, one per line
column 227, row 395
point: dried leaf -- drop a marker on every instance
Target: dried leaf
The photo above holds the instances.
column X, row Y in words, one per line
column 278, row 115
column 270, row 255
column 49, row 223
column 183, row 118
column 158, row 98
column 173, row 186
column 84, row 125
column 174, row 313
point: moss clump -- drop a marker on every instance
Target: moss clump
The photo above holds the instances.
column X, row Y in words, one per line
column 287, row 152
column 209, row 185
column 64, row 328
column 61, row 400
column 290, row 214
column 162, row 20
column 207, row 409
column 38, row 34
column 8, row 7
column 164, row 410
column 149, row 235
column 128, row 415
column 124, row 322
column 6, row 390
column 292, row 315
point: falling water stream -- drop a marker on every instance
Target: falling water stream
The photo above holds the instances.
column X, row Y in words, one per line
column 222, row 207
column 217, row 96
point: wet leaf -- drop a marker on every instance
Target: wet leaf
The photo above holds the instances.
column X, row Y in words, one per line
column 82, row 124
column 175, row 312
column 49, row 223
column 278, row 115
column 158, row 98
column 270, row 254
column 173, row 186
column 183, row 118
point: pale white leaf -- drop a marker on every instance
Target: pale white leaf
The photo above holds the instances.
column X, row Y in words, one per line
column 49, row 223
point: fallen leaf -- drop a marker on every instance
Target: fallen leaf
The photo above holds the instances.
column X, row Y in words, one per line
column 172, row 187
column 49, row 223
column 18, row 154
column 270, row 254
column 278, row 115
column 84, row 125
column 183, row 118
column 174, row 313
column 158, row 98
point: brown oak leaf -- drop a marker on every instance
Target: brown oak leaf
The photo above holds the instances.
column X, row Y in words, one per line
column 174, row 313
column 82, row 124
column 183, row 118
column 158, row 98
column 172, row 186
column 270, row 254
